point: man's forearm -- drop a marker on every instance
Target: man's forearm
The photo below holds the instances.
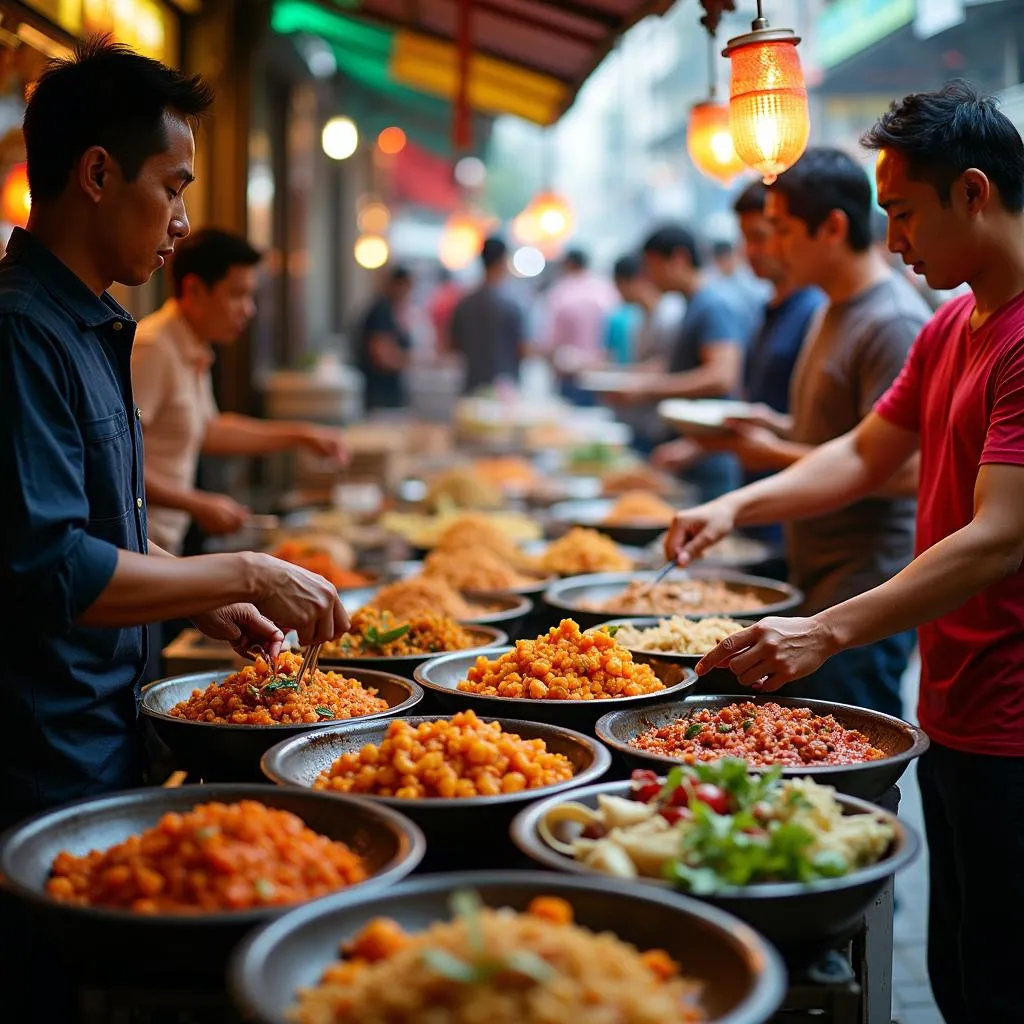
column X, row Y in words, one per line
column 163, row 494
column 829, row 477
column 233, row 434
column 937, row 582
column 154, row 588
column 700, row 382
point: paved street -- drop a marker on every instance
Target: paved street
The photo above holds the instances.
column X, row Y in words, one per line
column 912, row 995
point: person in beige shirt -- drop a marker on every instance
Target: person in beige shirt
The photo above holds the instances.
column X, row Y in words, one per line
column 213, row 274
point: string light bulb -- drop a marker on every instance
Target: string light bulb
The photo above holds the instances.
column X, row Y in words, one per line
column 768, row 113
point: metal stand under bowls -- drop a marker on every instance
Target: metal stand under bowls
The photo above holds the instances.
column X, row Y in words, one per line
column 742, row 977
column 461, row 833
column 107, row 946
column 404, row 665
column 440, row 679
column 801, row 920
column 575, row 596
column 869, row 780
column 231, row 753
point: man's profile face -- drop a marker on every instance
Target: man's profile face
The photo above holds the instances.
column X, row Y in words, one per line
column 224, row 310
column 760, row 246
column 929, row 236
column 139, row 221
column 800, row 255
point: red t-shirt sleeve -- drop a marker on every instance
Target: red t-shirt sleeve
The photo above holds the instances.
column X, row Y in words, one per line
column 1004, row 441
column 901, row 404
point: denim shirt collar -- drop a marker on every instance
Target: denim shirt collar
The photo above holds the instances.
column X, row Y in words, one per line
column 65, row 287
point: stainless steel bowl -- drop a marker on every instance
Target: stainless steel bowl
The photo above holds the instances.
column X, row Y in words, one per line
column 742, row 976
column 232, row 752
column 130, row 948
column 573, row 596
column 869, row 780
column 801, row 920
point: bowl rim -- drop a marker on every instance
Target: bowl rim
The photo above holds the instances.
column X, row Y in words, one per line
column 919, row 739
column 905, row 848
column 601, row 761
column 409, row 832
column 553, row 595
column 495, row 637
column 761, row 958
column 561, row 512
column 688, row 681
column 414, row 694
column 518, row 606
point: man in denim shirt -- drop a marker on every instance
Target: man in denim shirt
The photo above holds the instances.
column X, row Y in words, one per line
column 110, row 152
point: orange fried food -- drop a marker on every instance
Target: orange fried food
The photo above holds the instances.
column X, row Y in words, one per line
column 215, row 857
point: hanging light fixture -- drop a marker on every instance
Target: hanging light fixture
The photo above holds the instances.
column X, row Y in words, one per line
column 15, row 201
column 708, row 136
column 768, row 113
column 463, row 237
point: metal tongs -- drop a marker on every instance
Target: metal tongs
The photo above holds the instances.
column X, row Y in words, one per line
column 657, row 579
column 309, row 662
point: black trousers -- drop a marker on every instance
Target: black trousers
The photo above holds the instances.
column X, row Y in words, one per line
column 974, row 819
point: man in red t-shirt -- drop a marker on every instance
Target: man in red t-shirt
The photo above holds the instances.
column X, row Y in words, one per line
column 950, row 175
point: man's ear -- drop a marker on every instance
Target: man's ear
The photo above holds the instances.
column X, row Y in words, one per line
column 94, row 172
column 976, row 189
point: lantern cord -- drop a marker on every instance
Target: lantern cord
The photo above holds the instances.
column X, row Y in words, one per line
column 712, row 68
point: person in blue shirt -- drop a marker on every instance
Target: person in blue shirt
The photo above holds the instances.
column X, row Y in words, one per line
column 109, row 140
column 785, row 322
column 627, row 319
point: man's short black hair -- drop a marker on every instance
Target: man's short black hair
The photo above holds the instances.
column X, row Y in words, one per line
column 492, row 253
column 627, row 268
column 576, row 259
column 673, row 238
column 105, row 95
column 751, row 199
column 722, row 248
column 826, row 179
column 399, row 274
column 944, row 133
column 209, row 254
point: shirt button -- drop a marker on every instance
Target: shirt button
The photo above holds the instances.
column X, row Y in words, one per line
column 118, row 325
column 138, row 501
column 138, row 413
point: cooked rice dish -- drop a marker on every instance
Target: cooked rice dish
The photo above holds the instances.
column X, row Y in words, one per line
column 407, row 598
column 678, row 635
column 499, row 967
column 377, row 634
column 683, row 597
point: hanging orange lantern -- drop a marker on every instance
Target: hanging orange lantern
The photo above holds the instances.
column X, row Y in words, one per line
column 768, row 113
column 546, row 222
column 709, row 142
column 15, row 200
column 462, row 238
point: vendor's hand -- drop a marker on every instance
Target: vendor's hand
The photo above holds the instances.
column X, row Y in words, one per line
column 757, row 448
column 694, row 530
column 327, row 442
column 217, row 513
column 243, row 627
column 773, row 652
column 295, row 598
column 675, row 456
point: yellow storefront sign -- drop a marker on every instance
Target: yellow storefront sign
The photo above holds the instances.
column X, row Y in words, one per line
column 145, row 25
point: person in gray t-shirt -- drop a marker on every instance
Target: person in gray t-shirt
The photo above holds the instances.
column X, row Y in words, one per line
column 488, row 326
column 820, row 210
